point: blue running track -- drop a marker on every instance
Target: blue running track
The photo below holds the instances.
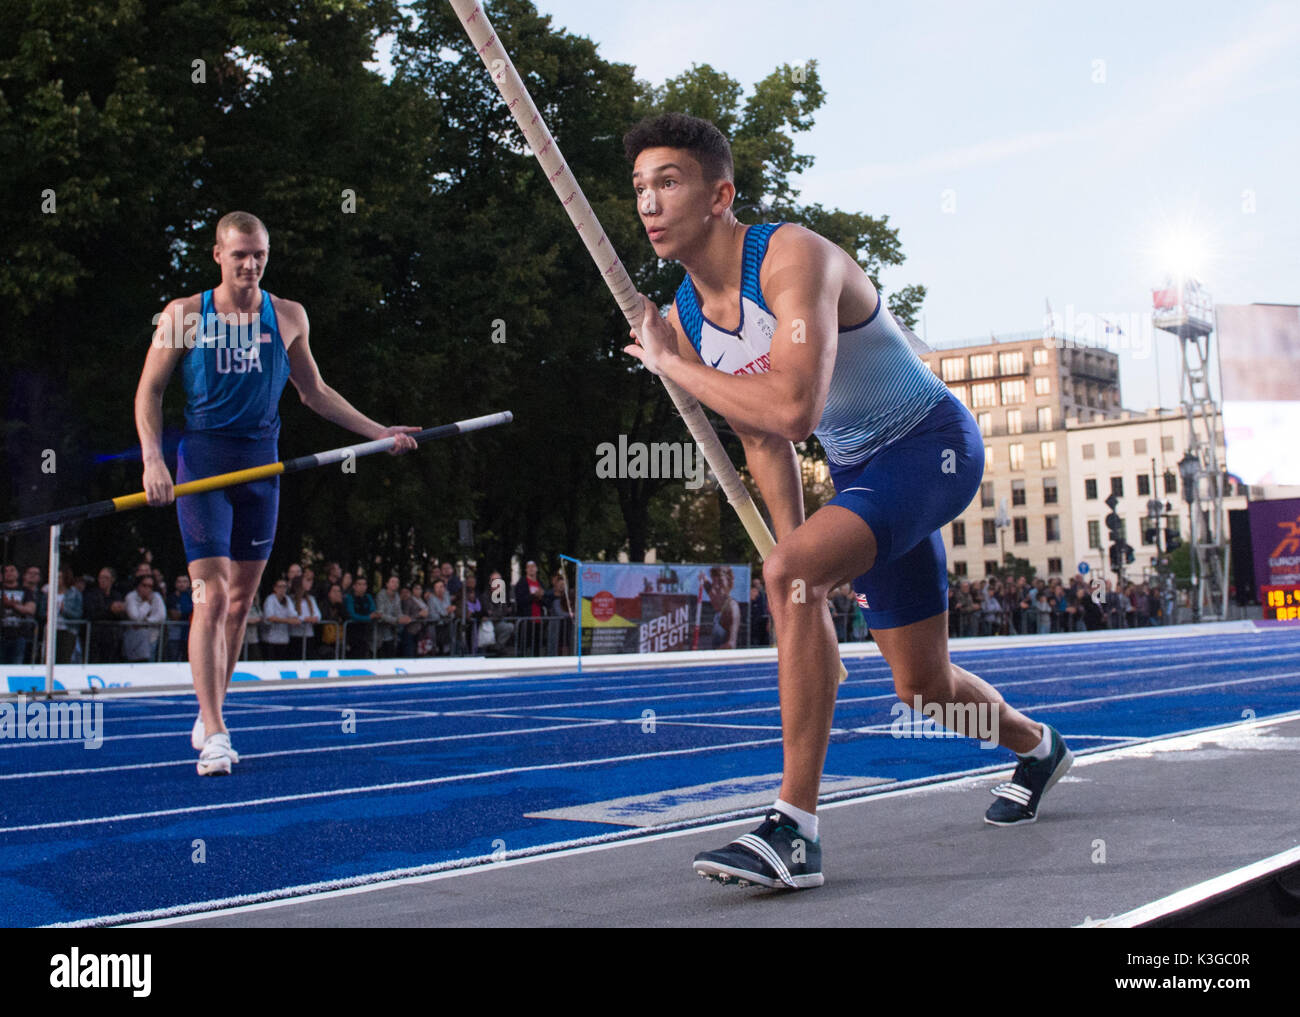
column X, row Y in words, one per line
column 436, row 775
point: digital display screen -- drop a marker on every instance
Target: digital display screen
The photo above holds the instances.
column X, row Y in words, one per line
column 1281, row 603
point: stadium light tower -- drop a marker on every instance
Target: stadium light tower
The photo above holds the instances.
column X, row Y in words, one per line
column 1183, row 306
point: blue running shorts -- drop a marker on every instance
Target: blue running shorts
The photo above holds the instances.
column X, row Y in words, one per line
column 235, row 522
column 907, row 492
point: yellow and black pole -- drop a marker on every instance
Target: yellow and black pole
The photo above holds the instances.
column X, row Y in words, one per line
column 124, row 503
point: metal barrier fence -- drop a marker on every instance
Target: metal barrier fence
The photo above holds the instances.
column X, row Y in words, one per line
column 110, row 642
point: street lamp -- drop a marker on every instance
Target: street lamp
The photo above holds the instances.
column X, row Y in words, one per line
column 1189, row 467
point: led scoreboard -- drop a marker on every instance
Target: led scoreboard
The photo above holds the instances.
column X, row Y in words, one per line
column 1281, row 603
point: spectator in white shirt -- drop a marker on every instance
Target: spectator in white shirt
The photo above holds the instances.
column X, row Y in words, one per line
column 144, row 605
column 278, row 614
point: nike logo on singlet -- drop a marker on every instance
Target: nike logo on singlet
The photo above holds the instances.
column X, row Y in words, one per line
column 266, row 541
column 719, row 360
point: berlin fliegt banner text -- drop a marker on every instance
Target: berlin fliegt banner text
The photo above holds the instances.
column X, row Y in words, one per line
column 658, row 608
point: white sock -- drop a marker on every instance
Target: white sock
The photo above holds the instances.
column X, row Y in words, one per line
column 805, row 821
column 1044, row 748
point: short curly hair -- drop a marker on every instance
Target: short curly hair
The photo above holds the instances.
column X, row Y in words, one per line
column 678, row 130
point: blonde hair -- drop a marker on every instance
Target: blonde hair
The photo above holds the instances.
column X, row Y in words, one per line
column 242, row 222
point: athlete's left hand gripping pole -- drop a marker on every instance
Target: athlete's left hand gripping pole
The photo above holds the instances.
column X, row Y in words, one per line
column 220, row 480
column 620, row 284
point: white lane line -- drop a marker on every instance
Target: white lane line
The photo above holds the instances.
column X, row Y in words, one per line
column 479, row 865
column 401, row 785
column 1171, row 690
column 1199, row 892
column 320, row 748
column 485, row 865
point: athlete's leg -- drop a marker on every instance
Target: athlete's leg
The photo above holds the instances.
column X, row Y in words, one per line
column 833, row 545
column 917, row 655
column 210, row 581
column 245, row 577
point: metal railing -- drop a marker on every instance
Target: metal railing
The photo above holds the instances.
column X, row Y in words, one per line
column 111, row 642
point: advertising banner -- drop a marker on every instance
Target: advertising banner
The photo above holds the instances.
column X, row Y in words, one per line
column 1275, row 538
column 629, row 608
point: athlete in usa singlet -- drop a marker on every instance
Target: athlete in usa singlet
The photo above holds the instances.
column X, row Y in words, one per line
column 234, row 376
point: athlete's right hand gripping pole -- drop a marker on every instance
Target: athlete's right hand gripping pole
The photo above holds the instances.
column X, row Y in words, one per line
column 620, row 284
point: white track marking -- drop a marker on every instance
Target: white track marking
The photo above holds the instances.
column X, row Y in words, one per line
column 484, row 865
column 400, row 785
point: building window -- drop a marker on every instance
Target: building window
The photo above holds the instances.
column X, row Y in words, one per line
column 959, row 391
column 1017, row 456
column 1139, row 446
column 1089, row 452
column 959, row 534
column 1015, row 422
column 985, row 394
column 1148, row 533
column 952, row 369
column 990, row 532
column 1112, row 449
column 1017, row 492
column 1042, row 385
column 1094, row 533
column 985, row 420
column 1047, row 454
column 1171, row 482
column 1166, row 443
column 986, row 494
column 1117, row 486
column 1040, row 357
column 1090, row 489
column 988, row 457
column 1013, row 391
column 1053, row 527
column 1049, row 490
column 990, row 567
column 1021, row 527
column 1044, row 418
column 1144, row 485
column 1053, row 566
column 1011, row 363
column 981, row 365
column 959, row 568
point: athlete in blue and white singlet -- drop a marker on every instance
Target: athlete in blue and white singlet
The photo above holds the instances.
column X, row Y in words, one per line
column 879, row 392
column 236, row 347
column 782, row 332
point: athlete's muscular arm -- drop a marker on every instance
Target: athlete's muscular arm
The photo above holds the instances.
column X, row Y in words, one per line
column 771, row 458
column 165, row 352
column 802, row 276
column 315, row 394
column 775, row 467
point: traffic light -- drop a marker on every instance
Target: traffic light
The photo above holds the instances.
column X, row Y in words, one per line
column 1128, row 555
column 1172, row 541
column 1115, row 526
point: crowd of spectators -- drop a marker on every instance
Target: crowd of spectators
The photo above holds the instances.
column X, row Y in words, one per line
column 443, row 611
column 107, row 618
column 1007, row 605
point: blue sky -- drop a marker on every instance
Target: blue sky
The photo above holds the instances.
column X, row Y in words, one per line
column 1069, row 143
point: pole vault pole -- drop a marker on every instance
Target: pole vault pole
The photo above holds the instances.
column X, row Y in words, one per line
column 539, row 139
column 335, row 455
